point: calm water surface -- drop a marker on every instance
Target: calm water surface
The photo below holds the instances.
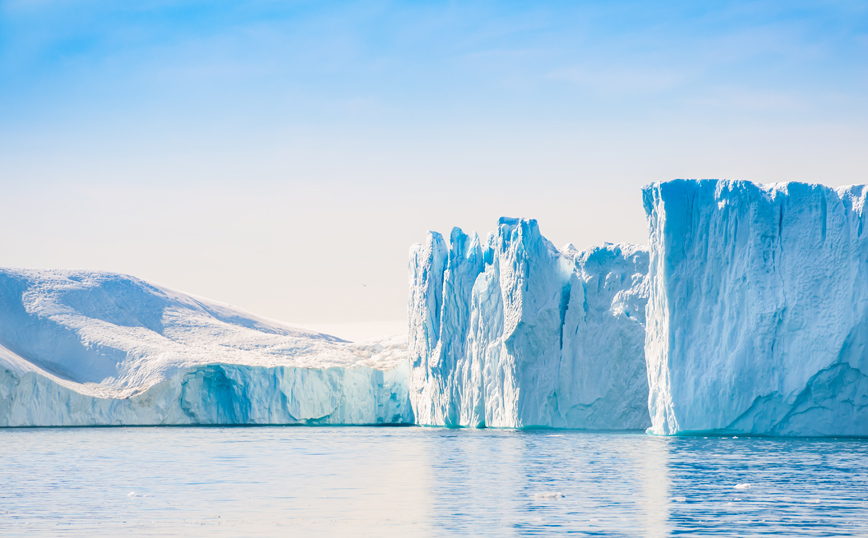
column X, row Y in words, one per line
column 300, row 481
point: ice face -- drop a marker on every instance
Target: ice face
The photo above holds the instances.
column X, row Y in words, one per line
column 217, row 394
column 758, row 308
column 90, row 348
column 515, row 333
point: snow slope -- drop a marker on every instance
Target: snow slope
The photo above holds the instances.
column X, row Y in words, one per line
column 90, row 348
column 515, row 333
column 758, row 309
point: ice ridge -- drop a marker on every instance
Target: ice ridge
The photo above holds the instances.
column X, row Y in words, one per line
column 513, row 332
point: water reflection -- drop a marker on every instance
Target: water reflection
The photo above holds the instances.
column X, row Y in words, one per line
column 423, row 482
column 770, row 486
column 533, row 482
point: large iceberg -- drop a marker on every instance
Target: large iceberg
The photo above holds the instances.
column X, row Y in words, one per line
column 516, row 333
column 88, row 348
column 758, row 309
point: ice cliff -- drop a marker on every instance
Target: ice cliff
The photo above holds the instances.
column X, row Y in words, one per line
column 516, row 333
column 758, row 308
column 88, row 348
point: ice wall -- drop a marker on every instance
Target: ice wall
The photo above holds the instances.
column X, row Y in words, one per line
column 515, row 333
column 216, row 394
column 90, row 348
column 758, row 308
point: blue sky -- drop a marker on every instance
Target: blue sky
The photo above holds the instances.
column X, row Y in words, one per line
column 275, row 154
column 271, row 64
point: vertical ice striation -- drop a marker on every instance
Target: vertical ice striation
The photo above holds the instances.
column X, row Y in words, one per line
column 515, row 333
column 758, row 308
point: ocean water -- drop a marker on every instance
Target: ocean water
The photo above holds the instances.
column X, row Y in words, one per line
column 343, row 481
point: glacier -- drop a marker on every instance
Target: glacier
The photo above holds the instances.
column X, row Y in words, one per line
column 747, row 314
column 515, row 333
column 84, row 348
column 757, row 319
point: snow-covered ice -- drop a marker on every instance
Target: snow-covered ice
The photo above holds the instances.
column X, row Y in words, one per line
column 758, row 308
column 757, row 322
column 95, row 348
column 513, row 332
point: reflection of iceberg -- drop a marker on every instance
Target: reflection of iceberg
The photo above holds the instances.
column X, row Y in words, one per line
column 758, row 313
column 525, row 483
column 655, row 487
column 87, row 348
column 515, row 333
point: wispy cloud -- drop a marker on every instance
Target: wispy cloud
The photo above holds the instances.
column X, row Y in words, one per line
column 622, row 80
column 751, row 99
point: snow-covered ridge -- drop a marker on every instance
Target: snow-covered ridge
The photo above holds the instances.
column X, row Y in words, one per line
column 513, row 332
column 75, row 344
column 758, row 309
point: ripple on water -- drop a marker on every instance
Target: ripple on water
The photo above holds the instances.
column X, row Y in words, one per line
column 423, row 481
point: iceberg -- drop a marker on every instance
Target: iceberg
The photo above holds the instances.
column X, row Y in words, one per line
column 757, row 319
column 81, row 348
column 515, row 333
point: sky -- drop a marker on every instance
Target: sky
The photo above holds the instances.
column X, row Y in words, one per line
column 283, row 156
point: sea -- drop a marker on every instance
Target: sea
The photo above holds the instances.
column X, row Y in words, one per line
column 416, row 482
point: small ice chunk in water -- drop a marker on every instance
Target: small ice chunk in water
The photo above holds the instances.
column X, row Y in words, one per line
column 134, row 495
column 549, row 495
column 679, row 499
column 742, row 486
